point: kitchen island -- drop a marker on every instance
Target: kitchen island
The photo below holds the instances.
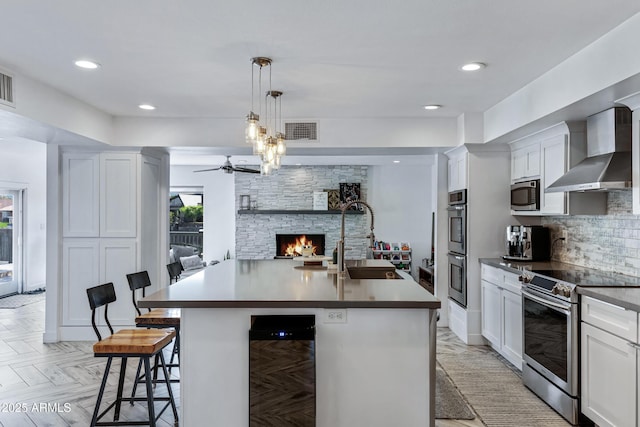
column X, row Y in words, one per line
column 375, row 368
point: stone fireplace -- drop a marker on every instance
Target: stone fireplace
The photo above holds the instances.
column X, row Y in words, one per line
column 285, row 206
column 290, row 245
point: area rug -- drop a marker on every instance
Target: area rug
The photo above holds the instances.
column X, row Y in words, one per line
column 449, row 402
column 15, row 301
column 496, row 393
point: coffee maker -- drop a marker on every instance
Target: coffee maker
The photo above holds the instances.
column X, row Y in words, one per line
column 527, row 243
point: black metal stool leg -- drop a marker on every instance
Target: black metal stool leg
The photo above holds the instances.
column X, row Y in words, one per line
column 147, row 376
column 135, row 382
column 175, row 350
column 94, row 419
column 169, row 390
column 123, row 370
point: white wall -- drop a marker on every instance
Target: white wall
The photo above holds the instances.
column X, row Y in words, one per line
column 402, row 199
column 23, row 165
column 219, row 208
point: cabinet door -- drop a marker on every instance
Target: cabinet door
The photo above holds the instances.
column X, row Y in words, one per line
column 80, row 194
column 525, row 162
column 491, row 313
column 118, row 258
column 80, row 260
column 457, row 171
column 119, row 194
column 512, row 327
column 608, row 377
column 554, row 160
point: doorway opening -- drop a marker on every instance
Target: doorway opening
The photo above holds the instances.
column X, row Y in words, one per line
column 10, row 242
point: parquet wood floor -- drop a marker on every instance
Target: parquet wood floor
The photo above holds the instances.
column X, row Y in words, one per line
column 56, row 384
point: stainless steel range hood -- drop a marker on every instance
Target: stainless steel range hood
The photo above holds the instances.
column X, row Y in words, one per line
column 608, row 163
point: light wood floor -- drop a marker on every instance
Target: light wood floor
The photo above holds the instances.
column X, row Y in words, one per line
column 55, row 384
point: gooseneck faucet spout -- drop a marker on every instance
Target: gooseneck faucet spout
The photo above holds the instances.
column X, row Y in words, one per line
column 341, row 241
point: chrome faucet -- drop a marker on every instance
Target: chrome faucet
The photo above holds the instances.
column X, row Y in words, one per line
column 341, row 241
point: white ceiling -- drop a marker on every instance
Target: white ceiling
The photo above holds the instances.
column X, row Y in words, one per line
column 332, row 59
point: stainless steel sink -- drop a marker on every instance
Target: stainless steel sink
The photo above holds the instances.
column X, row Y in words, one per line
column 372, row 273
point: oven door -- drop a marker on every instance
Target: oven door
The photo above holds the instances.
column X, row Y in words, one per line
column 550, row 339
column 457, row 228
column 458, row 279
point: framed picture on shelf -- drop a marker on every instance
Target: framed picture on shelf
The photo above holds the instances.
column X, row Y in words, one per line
column 350, row 192
column 333, row 200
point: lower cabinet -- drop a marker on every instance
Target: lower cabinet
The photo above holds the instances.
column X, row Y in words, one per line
column 609, row 364
column 501, row 302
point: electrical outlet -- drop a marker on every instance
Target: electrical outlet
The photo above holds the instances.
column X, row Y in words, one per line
column 335, row 315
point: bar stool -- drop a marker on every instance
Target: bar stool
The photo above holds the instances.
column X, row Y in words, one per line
column 174, row 269
column 142, row 343
column 154, row 319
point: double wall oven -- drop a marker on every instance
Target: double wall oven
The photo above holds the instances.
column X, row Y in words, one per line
column 457, row 237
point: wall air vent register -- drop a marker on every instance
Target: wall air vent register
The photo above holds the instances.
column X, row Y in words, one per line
column 301, row 131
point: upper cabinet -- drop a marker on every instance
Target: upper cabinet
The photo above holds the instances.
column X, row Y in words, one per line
column 99, row 194
column 457, row 170
column 525, row 162
column 554, row 151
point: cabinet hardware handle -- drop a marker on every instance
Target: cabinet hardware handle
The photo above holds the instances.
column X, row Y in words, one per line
column 634, row 345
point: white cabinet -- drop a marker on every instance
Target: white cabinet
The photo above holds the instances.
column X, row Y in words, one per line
column 502, row 312
column 106, row 229
column 525, row 162
column 457, row 171
column 609, row 365
column 554, row 160
column 99, row 194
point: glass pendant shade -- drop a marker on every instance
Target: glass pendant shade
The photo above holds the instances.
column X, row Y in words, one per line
column 252, row 129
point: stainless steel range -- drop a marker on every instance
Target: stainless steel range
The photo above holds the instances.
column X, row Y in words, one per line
column 551, row 332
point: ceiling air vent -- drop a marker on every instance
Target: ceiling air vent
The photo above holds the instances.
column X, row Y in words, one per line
column 6, row 89
column 298, row 131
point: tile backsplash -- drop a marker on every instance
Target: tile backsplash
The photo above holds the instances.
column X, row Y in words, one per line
column 608, row 242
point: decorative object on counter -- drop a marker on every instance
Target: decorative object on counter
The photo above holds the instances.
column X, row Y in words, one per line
column 320, row 201
column 350, row 192
column 399, row 253
column 333, row 199
column 254, row 204
column 266, row 137
column 245, row 201
column 314, row 261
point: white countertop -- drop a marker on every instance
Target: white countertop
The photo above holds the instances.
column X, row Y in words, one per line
column 285, row 283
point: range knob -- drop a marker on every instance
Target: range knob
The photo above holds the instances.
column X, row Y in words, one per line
column 562, row 290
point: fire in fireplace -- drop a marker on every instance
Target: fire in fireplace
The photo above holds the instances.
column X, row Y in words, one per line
column 290, row 245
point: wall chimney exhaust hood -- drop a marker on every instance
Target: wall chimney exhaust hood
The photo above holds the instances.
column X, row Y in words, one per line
column 608, row 162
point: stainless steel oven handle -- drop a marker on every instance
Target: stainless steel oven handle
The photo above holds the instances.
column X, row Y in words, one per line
column 546, row 302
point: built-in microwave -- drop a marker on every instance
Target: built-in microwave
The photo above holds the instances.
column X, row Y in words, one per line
column 525, row 196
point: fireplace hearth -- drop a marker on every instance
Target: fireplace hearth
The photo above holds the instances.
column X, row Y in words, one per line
column 292, row 245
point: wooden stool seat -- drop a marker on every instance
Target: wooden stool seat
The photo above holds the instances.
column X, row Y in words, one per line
column 134, row 341
column 159, row 317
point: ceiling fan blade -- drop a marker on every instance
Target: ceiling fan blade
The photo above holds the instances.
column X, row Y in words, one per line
column 245, row 170
column 207, row 170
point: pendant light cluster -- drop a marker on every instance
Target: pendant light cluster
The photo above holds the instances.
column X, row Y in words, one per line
column 265, row 136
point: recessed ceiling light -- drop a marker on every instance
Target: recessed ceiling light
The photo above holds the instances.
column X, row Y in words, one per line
column 85, row 63
column 298, row 164
column 146, row 107
column 473, row 66
column 396, row 161
column 432, row 107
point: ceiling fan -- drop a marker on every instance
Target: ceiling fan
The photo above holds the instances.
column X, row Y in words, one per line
column 227, row 167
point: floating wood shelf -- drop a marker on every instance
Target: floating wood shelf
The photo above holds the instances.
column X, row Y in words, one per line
column 294, row 212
